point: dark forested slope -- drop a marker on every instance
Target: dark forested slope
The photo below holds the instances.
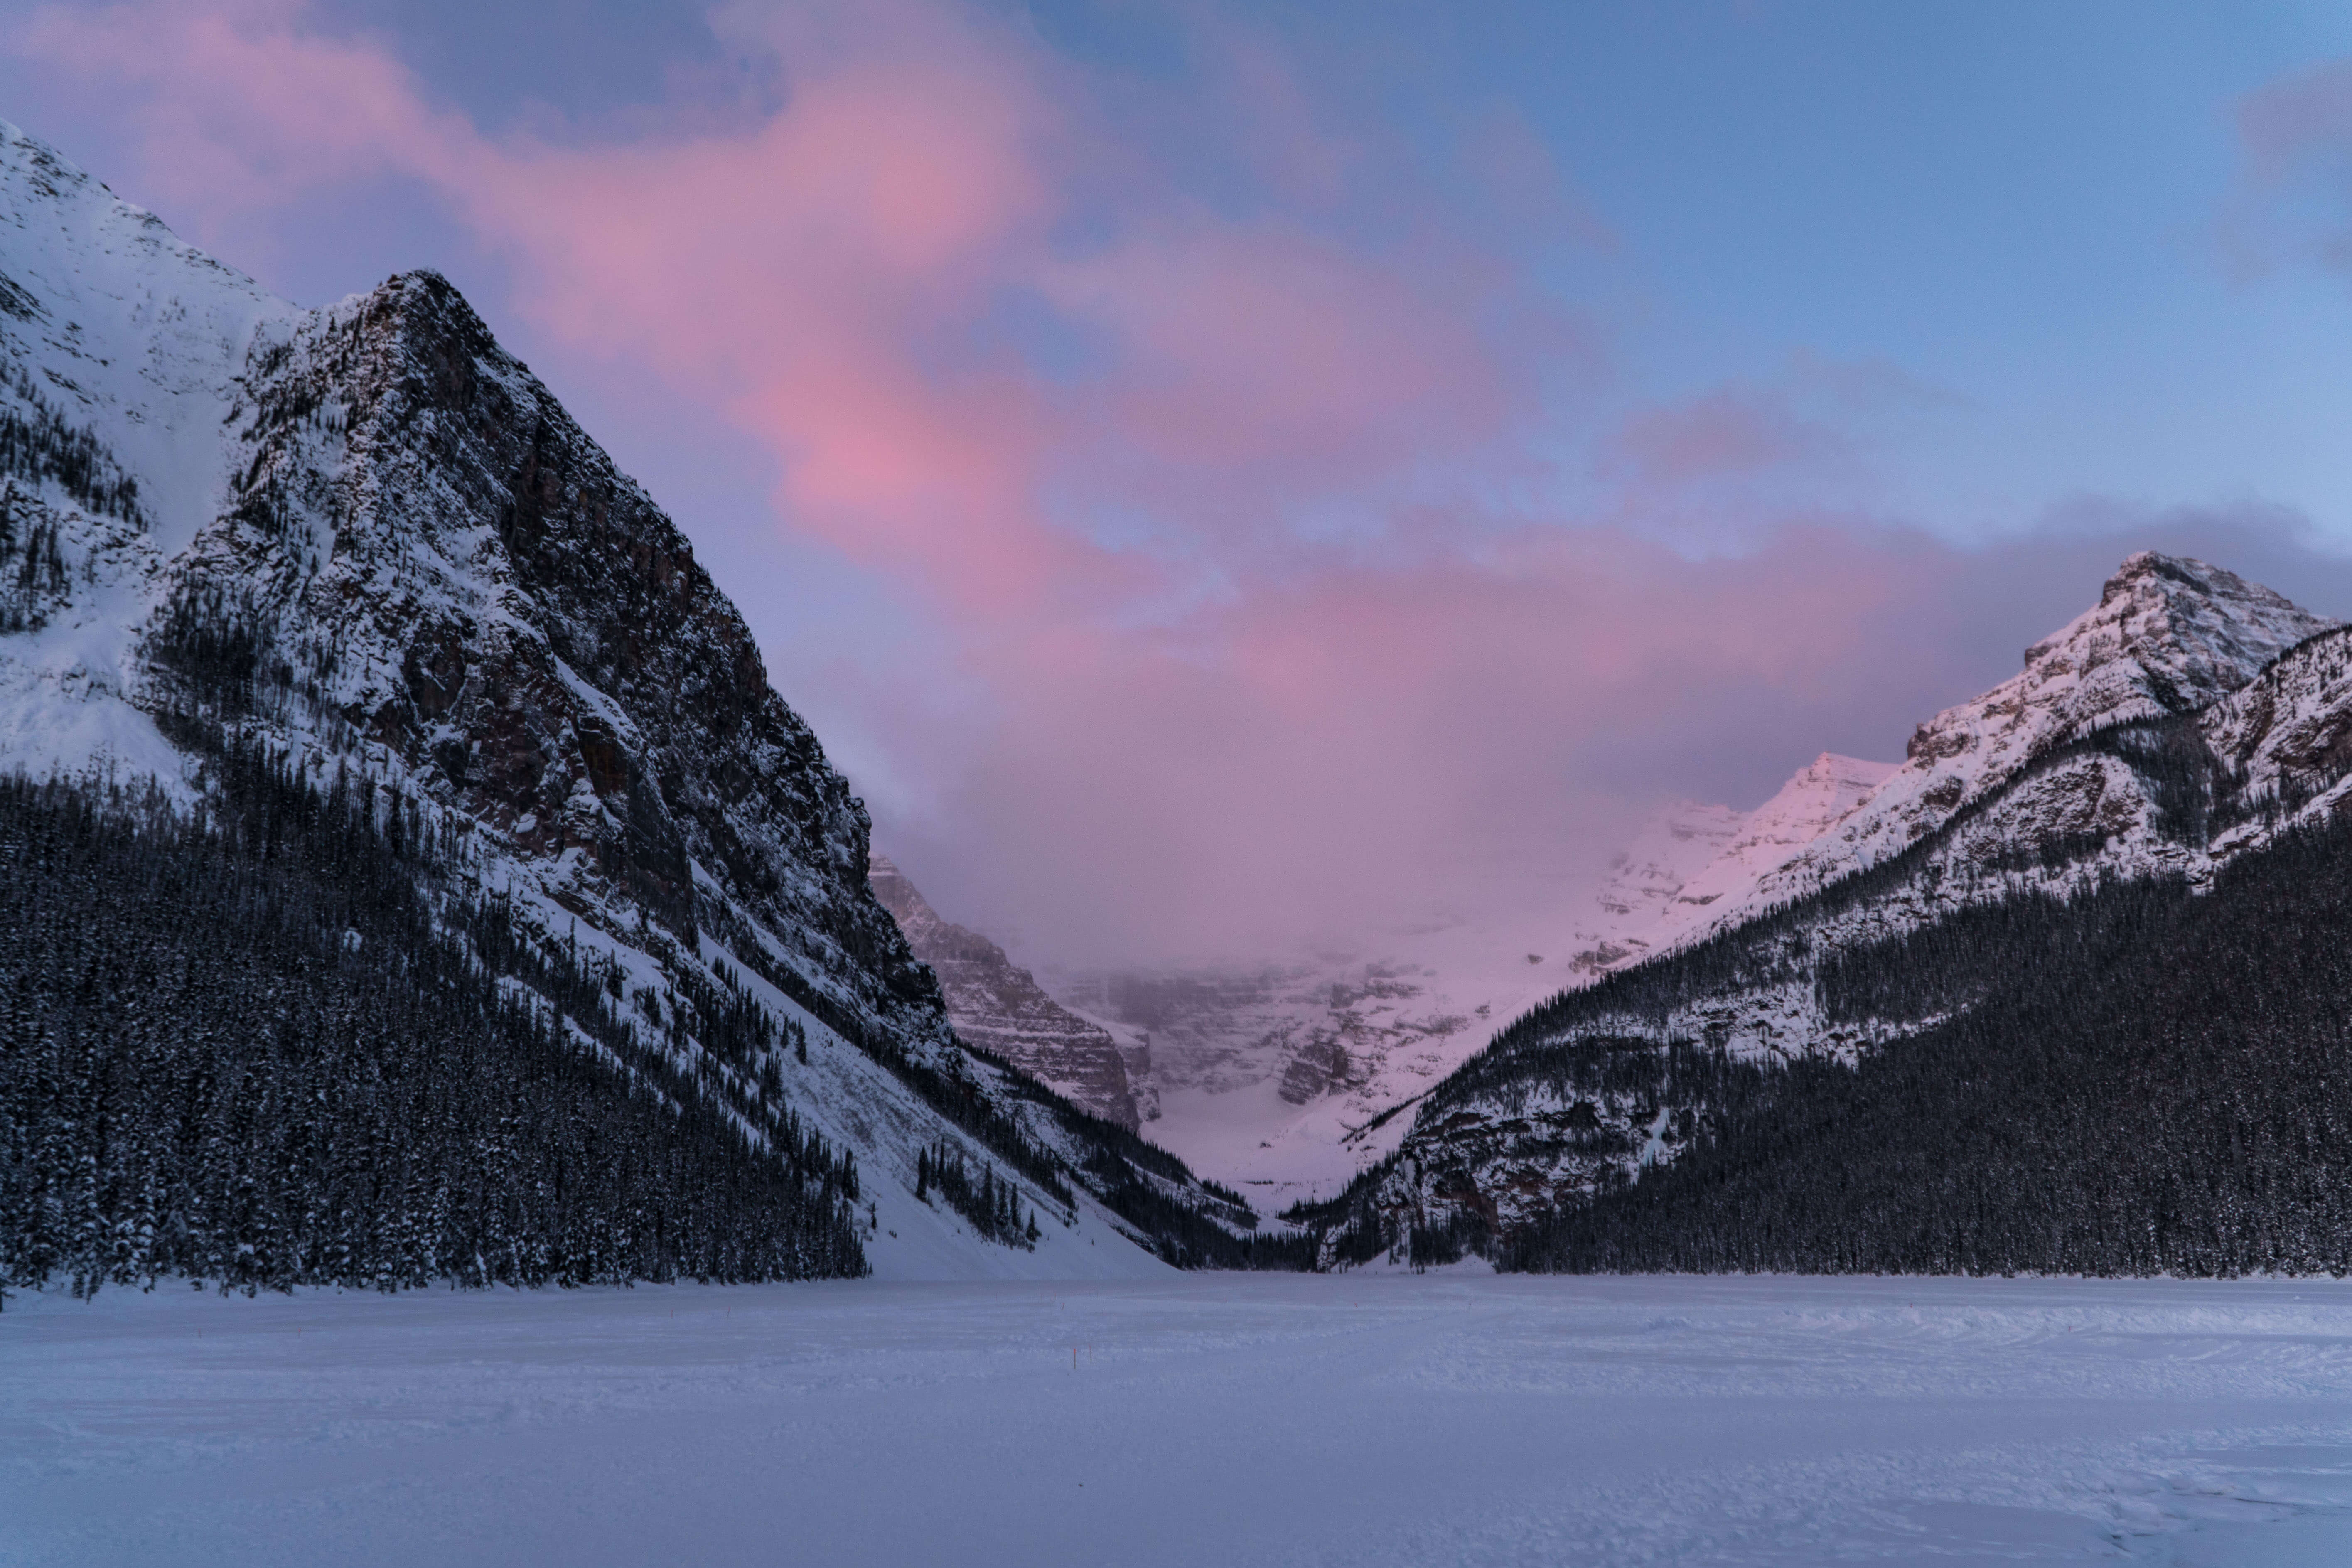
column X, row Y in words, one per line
column 2150, row 1081
column 240, row 1047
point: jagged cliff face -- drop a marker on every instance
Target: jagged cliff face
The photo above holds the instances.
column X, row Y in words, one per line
column 2189, row 719
column 372, row 531
column 438, row 568
column 999, row 1006
column 366, row 536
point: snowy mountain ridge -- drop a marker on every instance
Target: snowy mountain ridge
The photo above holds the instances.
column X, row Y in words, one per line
column 1694, row 862
column 367, row 538
column 111, row 324
column 2187, row 720
column 1288, row 1078
column 1294, row 1077
column 2168, row 635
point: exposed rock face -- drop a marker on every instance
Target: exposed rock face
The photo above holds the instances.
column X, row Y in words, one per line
column 2286, row 736
column 2190, row 718
column 1319, row 1064
column 440, row 568
column 999, row 1006
column 369, row 534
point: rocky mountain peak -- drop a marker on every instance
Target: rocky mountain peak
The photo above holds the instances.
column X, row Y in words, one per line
column 368, row 534
column 1691, row 860
column 365, row 546
column 1821, row 792
column 2169, row 635
column 2178, row 631
column 2190, row 733
column 919, row 921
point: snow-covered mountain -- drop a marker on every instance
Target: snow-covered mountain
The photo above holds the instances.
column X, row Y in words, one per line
column 1288, row 1079
column 366, row 539
column 2187, row 720
column 998, row 1007
column 1695, row 862
column 1269, row 1078
column 2168, row 635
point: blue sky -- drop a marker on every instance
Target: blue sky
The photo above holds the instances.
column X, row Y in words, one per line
column 1595, row 404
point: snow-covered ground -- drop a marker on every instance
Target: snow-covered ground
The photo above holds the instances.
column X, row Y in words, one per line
column 1205, row 1419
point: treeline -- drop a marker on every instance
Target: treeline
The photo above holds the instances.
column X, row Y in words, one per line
column 2148, row 1081
column 950, row 1090
column 1185, row 1220
column 236, row 1046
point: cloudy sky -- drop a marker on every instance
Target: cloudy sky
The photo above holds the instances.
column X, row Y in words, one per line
column 1215, row 475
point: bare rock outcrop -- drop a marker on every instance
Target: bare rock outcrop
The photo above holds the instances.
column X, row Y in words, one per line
column 998, row 1007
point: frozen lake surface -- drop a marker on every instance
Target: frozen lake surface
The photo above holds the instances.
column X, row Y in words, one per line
column 1207, row 1420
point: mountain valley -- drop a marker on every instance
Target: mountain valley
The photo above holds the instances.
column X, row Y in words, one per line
column 419, row 879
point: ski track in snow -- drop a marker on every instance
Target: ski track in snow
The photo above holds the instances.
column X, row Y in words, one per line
column 1220, row 1419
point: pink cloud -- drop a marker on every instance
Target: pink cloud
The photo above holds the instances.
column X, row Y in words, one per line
column 245, row 110
column 821, row 274
column 795, row 272
column 2296, row 139
column 1721, row 434
column 1478, row 732
column 1260, row 346
column 1475, row 732
column 1209, row 714
column 2282, row 124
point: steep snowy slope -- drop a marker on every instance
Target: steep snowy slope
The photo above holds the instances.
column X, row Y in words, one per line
column 1643, row 892
column 368, row 539
column 2109, row 778
column 123, row 352
column 1695, row 861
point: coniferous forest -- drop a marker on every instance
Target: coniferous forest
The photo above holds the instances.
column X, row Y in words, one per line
column 992, row 1207
column 2150, row 1081
column 247, row 1047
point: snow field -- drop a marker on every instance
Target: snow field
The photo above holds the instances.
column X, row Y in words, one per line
column 1207, row 1419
